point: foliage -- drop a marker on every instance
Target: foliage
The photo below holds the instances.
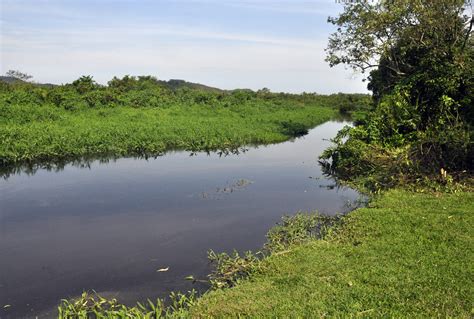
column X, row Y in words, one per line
column 84, row 84
column 142, row 116
column 347, row 104
column 372, row 166
column 405, row 256
column 423, row 82
column 93, row 306
column 19, row 75
column 294, row 129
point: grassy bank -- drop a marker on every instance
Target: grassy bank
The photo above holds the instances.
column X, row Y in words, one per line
column 26, row 136
column 407, row 255
column 143, row 116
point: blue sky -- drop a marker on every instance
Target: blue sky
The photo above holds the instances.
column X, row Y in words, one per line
column 223, row 43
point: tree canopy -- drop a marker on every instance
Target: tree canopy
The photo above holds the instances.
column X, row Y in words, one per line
column 419, row 58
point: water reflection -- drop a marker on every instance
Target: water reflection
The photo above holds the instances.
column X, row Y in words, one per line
column 59, row 165
column 109, row 224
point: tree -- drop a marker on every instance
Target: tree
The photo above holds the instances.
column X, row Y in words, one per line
column 368, row 31
column 84, row 84
column 19, row 75
column 420, row 59
column 424, row 46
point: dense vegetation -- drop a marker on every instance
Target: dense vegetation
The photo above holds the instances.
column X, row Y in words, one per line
column 421, row 57
column 144, row 116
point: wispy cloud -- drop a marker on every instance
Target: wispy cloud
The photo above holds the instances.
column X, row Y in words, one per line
column 318, row 7
column 72, row 38
column 29, row 38
column 45, row 8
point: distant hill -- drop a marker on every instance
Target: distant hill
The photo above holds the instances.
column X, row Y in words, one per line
column 11, row 79
column 172, row 84
column 175, row 84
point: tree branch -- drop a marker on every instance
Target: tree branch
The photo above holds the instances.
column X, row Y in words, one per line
column 468, row 33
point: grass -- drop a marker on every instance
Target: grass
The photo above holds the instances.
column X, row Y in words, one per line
column 407, row 255
column 144, row 116
column 37, row 133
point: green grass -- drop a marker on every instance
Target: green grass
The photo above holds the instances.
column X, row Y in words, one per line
column 407, row 255
column 45, row 132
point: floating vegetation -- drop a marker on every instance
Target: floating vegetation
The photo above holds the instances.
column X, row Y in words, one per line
column 237, row 185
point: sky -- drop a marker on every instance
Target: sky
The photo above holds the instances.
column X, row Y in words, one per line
column 223, row 43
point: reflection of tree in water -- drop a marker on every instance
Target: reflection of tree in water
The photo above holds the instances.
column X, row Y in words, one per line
column 334, row 182
column 31, row 168
column 51, row 166
column 220, row 152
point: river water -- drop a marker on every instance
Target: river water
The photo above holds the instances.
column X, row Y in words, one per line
column 110, row 226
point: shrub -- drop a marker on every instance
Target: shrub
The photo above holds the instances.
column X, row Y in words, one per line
column 294, row 129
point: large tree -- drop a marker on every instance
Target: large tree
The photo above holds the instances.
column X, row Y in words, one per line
column 418, row 56
column 425, row 45
column 19, row 75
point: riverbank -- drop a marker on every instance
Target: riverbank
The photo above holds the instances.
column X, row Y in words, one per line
column 143, row 117
column 128, row 131
column 406, row 255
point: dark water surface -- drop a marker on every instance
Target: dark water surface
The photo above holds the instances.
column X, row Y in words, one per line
column 111, row 226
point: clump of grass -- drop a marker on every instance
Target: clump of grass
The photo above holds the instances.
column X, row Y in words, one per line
column 229, row 269
column 93, row 306
column 298, row 229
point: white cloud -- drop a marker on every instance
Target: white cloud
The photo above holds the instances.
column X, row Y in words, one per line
column 26, row 38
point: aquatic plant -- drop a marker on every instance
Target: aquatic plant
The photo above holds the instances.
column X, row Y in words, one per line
column 229, row 269
column 297, row 229
column 93, row 306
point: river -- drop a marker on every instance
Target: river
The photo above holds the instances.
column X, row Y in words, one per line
column 109, row 226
